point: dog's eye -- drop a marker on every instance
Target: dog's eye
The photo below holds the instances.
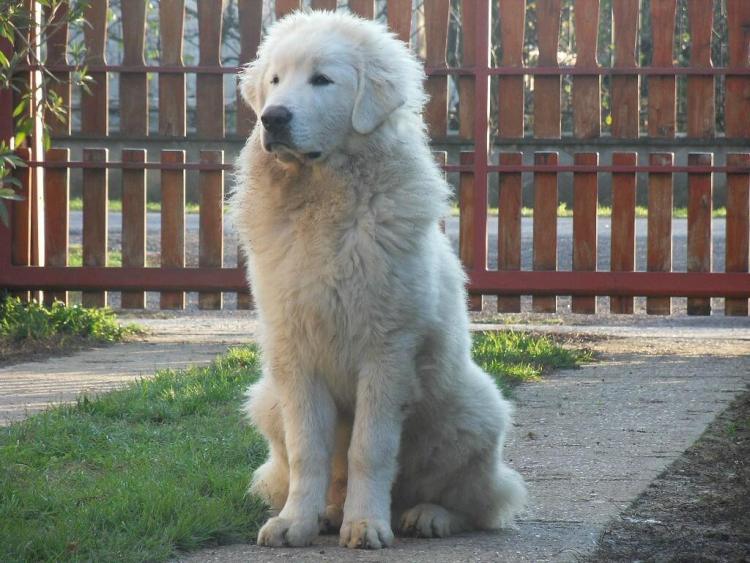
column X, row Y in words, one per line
column 275, row 79
column 320, row 80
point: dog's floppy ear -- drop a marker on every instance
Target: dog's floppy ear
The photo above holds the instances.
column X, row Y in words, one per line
column 378, row 96
column 250, row 85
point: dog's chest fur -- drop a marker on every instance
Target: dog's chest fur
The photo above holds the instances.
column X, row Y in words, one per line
column 321, row 265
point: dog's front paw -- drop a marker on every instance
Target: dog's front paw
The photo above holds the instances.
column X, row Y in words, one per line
column 366, row 534
column 278, row 532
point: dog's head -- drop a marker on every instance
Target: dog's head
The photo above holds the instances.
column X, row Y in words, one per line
column 322, row 78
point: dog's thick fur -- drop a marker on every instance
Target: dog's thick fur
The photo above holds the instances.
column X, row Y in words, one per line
column 376, row 416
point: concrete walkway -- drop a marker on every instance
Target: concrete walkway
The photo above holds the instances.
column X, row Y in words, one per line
column 173, row 342
column 588, row 441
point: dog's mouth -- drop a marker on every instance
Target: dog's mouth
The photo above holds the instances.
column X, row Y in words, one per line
column 285, row 152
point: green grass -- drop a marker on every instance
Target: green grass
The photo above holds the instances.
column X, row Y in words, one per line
column 161, row 466
column 604, row 211
column 20, row 321
column 75, row 256
column 511, row 357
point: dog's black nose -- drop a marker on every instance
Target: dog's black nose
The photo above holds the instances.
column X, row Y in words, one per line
column 275, row 118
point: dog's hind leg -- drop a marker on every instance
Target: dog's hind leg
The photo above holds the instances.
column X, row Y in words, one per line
column 271, row 480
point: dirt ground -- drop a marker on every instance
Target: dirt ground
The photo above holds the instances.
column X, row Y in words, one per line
column 698, row 509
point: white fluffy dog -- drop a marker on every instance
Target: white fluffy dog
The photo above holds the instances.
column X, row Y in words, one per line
column 376, row 416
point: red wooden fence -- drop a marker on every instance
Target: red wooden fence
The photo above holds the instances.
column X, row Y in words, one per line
column 477, row 83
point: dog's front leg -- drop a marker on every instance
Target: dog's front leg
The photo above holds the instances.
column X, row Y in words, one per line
column 309, row 416
column 383, row 390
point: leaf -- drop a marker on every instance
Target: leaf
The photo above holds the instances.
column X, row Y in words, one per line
column 4, row 215
column 20, row 138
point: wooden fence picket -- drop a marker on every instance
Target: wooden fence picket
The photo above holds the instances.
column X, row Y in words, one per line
column 284, row 7
column 622, row 241
column 700, row 211
column 547, row 88
column 625, row 94
column 364, row 8
column 324, row 5
column 95, row 191
column 134, row 222
column 211, row 233
column 133, row 85
column 399, row 18
column 737, row 100
column 209, row 88
column 701, row 111
column 172, row 122
column 56, row 217
column 172, row 223
column 662, row 108
column 511, row 88
column 250, row 20
column 585, row 204
column 20, row 227
column 134, row 119
column 466, row 222
column 95, row 102
column 659, row 253
column 586, row 95
column 510, row 202
column 171, row 85
column 468, row 59
column 437, row 15
column 511, row 126
column 738, row 228
column 249, row 13
column 545, row 227
column 57, row 48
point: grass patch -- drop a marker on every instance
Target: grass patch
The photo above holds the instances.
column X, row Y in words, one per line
column 75, row 256
column 30, row 328
column 161, row 466
column 512, row 357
